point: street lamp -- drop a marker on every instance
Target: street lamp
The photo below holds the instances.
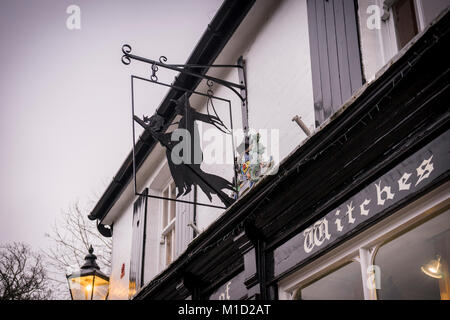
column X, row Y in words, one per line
column 89, row 283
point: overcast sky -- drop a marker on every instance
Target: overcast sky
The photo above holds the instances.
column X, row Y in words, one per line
column 65, row 124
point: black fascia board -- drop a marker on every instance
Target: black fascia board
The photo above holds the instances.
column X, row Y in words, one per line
column 229, row 16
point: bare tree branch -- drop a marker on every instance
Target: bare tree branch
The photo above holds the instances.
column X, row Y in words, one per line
column 70, row 238
column 22, row 274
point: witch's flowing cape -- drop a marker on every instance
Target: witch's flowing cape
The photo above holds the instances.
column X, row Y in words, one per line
column 187, row 174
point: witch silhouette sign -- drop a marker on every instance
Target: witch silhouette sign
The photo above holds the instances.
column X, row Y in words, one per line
column 184, row 153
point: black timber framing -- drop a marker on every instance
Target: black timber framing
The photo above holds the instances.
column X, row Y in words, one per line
column 392, row 118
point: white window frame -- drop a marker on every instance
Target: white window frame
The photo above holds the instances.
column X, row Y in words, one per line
column 170, row 227
column 363, row 247
column 420, row 14
column 388, row 33
column 387, row 36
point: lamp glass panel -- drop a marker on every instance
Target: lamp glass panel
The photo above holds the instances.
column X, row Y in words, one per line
column 81, row 287
column 100, row 288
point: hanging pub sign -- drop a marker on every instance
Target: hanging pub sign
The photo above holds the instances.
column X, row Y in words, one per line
column 182, row 145
column 185, row 165
column 409, row 177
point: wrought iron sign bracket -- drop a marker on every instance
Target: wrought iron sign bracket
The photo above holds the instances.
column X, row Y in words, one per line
column 192, row 173
column 185, row 69
column 244, row 102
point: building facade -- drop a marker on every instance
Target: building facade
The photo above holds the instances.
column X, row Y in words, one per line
column 356, row 202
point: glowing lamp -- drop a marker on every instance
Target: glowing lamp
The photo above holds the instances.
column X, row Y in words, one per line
column 433, row 268
column 89, row 283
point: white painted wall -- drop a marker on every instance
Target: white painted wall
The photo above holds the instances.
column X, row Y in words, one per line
column 121, row 252
column 121, row 214
column 274, row 41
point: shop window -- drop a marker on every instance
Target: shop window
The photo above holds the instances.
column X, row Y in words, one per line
column 415, row 264
column 341, row 284
column 403, row 258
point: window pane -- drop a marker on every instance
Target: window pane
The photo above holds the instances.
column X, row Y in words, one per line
column 344, row 283
column 169, row 247
column 402, row 259
column 173, row 195
column 431, row 9
column 405, row 21
column 165, row 208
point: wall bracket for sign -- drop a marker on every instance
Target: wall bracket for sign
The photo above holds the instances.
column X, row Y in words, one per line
column 186, row 69
column 187, row 172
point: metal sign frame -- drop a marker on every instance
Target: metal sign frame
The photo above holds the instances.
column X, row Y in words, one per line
column 126, row 59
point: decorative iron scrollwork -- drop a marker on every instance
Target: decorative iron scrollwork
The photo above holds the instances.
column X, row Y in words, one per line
column 210, row 91
column 163, row 59
column 126, row 50
column 184, row 69
column 153, row 77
